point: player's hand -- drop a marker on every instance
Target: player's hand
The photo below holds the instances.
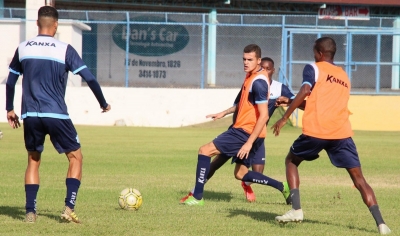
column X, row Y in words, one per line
column 278, row 126
column 244, row 151
column 216, row 116
column 106, row 109
column 13, row 119
column 282, row 101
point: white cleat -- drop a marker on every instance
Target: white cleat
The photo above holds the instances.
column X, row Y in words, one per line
column 384, row 229
column 291, row 216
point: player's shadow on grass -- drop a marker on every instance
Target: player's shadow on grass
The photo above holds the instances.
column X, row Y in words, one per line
column 270, row 218
column 352, row 227
column 16, row 213
column 256, row 215
column 215, row 196
column 218, row 196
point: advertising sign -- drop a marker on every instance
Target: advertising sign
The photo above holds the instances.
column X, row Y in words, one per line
column 337, row 12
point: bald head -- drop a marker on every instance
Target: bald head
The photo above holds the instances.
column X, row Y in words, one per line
column 326, row 46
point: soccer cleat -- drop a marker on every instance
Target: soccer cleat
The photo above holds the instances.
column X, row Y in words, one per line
column 384, row 229
column 186, row 197
column 291, row 216
column 68, row 215
column 30, row 217
column 191, row 201
column 286, row 193
column 248, row 192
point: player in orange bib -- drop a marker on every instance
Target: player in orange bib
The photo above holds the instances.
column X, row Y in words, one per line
column 243, row 139
column 326, row 126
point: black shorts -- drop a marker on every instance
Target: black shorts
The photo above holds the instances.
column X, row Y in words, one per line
column 341, row 152
column 62, row 134
column 231, row 141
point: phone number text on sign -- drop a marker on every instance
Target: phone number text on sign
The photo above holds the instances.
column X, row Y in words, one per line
column 158, row 74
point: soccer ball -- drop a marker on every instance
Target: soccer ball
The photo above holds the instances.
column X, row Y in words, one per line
column 130, row 199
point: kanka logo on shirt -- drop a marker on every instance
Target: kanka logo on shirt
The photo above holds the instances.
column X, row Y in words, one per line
column 33, row 43
column 332, row 79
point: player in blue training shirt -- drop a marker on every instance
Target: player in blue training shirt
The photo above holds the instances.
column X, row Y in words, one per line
column 277, row 90
column 44, row 63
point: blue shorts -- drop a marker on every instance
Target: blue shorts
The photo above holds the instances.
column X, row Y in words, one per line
column 259, row 156
column 231, row 141
column 62, row 134
column 341, row 152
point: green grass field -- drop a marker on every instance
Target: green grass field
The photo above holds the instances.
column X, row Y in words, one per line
column 161, row 162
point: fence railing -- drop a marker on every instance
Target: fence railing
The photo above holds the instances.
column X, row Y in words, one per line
column 198, row 50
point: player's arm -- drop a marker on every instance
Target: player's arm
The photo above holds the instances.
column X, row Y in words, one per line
column 287, row 98
column 222, row 113
column 227, row 111
column 260, row 91
column 95, row 87
column 305, row 90
column 77, row 66
column 15, row 68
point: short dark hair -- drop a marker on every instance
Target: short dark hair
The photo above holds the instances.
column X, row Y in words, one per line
column 268, row 59
column 253, row 48
column 48, row 11
column 326, row 46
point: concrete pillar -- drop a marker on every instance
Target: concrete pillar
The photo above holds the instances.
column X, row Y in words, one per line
column 212, row 47
column 396, row 56
column 31, row 8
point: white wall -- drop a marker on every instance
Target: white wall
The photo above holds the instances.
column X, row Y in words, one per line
column 12, row 34
column 148, row 107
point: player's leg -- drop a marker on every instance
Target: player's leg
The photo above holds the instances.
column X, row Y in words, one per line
column 34, row 136
column 257, row 166
column 228, row 143
column 203, row 167
column 369, row 198
column 72, row 182
column 65, row 139
column 32, row 182
column 292, row 175
column 252, row 176
column 216, row 163
column 343, row 153
column 303, row 148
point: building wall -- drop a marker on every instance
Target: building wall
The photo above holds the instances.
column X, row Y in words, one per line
column 165, row 107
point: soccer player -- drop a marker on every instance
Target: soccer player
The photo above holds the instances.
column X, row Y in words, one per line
column 277, row 89
column 244, row 138
column 44, row 63
column 326, row 126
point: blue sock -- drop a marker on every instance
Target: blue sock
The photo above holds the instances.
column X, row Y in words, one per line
column 259, row 178
column 203, row 167
column 31, row 191
column 72, row 191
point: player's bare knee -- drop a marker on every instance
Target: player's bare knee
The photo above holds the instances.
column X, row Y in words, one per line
column 75, row 156
column 293, row 159
column 206, row 150
column 238, row 176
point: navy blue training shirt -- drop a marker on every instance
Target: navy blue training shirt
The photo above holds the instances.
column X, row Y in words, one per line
column 44, row 63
